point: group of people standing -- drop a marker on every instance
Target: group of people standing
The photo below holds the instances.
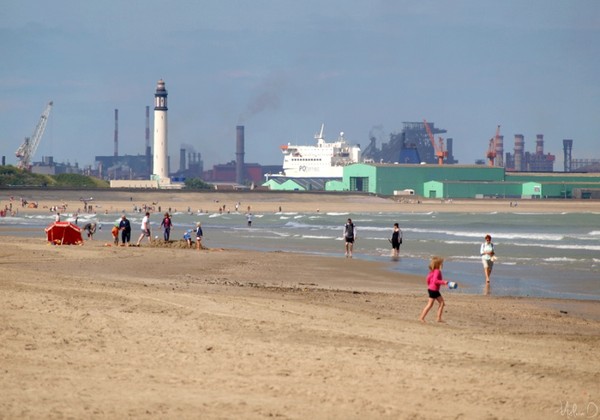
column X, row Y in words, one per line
column 123, row 228
column 350, row 237
column 434, row 278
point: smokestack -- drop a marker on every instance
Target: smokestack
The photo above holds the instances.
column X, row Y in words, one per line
column 181, row 160
column 147, row 127
column 116, row 132
column 500, row 151
column 539, row 144
column 567, row 147
column 239, row 155
column 519, row 147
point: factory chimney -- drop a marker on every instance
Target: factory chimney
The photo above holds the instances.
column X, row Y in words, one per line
column 116, row 132
column 567, row 147
column 500, row 151
column 519, row 147
column 239, row 155
column 539, row 145
column 181, row 159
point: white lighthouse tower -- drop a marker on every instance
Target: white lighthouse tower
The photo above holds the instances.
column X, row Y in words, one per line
column 160, row 169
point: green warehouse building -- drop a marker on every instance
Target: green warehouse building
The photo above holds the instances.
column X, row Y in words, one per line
column 449, row 181
column 466, row 181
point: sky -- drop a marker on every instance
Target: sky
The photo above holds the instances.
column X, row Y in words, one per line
column 282, row 68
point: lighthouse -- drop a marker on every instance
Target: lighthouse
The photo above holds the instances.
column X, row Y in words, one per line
column 160, row 169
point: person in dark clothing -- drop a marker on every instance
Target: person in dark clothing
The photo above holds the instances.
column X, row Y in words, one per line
column 396, row 240
column 125, row 228
column 90, row 229
column 166, row 225
column 349, row 237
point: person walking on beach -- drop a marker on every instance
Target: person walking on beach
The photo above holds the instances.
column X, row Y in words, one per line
column 396, row 240
column 349, row 237
column 145, row 229
column 487, row 257
column 125, row 228
column 199, row 235
column 249, row 218
column 434, row 281
column 166, row 225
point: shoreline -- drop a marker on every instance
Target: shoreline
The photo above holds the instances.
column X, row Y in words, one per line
column 261, row 201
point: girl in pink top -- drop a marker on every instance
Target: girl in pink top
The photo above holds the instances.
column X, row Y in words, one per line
column 434, row 281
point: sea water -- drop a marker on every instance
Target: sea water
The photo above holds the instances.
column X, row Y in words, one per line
column 540, row 255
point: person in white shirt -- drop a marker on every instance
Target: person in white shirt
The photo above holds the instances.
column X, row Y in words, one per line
column 145, row 229
column 487, row 257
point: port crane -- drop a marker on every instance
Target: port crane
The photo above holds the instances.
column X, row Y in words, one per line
column 491, row 153
column 26, row 150
column 438, row 149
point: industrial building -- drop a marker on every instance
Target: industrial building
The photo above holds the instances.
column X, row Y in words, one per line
column 464, row 181
column 413, row 145
column 450, row 181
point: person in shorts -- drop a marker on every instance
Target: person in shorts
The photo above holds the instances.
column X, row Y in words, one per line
column 199, row 235
column 145, row 229
column 487, row 257
column 349, row 237
column 434, row 281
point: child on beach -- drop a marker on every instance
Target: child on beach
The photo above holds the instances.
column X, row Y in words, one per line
column 434, row 281
column 115, row 233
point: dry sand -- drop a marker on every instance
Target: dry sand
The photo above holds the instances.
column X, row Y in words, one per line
column 117, row 201
column 110, row 332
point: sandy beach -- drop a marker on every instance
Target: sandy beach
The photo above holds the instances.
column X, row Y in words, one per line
column 96, row 331
column 117, row 201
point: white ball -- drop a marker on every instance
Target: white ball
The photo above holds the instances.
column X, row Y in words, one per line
column 452, row 285
column 156, row 237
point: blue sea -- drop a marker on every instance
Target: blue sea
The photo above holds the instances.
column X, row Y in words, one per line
column 539, row 255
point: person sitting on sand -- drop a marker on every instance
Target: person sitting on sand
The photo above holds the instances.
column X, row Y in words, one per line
column 187, row 236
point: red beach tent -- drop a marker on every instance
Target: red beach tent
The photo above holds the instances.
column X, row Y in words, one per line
column 64, row 233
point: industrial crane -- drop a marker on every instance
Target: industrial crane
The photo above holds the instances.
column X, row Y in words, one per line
column 26, row 150
column 491, row 153
column 438, row 149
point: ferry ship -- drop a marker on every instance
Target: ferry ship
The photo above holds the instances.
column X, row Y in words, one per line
column 323, row 160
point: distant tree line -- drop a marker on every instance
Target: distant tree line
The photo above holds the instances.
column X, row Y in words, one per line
column 11, row 176
column 197, row 184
